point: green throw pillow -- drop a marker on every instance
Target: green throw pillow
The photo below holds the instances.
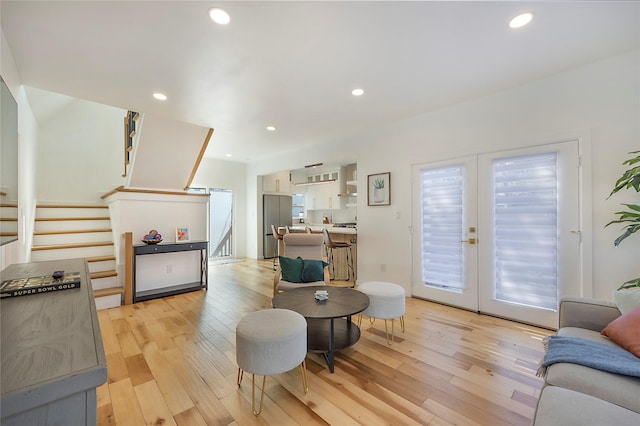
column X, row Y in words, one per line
column 291, row 269
column 313, row 270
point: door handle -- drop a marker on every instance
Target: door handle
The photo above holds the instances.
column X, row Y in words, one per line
column 470, row 241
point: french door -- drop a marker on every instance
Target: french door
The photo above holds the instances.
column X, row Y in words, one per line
column 498, row 232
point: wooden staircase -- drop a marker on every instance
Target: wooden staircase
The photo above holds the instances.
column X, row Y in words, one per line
column 8, row 220
column 64, row 231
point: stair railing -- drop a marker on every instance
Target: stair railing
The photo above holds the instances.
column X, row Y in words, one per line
column 129, row 132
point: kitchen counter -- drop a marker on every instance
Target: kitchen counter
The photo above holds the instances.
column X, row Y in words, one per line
column 317, row 228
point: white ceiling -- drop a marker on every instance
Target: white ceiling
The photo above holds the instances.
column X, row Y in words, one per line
column 293, row 64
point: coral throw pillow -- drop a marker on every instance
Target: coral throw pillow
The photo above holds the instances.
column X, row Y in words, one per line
column 625, row 331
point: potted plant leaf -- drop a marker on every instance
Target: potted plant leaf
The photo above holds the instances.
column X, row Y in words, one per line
column 378, row 190
column 630, row 217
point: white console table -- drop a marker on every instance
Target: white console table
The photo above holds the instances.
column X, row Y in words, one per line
column 52, row 354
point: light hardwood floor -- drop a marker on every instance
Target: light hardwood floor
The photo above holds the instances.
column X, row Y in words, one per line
column 171, row 361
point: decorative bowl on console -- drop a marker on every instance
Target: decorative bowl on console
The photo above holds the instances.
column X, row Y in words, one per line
column 153, row 237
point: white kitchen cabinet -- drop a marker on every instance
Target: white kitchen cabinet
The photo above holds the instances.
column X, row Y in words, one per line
column 323, row 196
column 349, row 186
column 276, row 183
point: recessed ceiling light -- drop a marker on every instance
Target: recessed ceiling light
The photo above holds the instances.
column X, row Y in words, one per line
column 357, row 92
column 160, row 96
column 228, row 155
column 219, row 16
column 271, row 128
column 521, row 20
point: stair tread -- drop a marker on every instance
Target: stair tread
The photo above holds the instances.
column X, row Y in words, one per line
column 103, row 274
column 72, row 231
column 108, row 291
column 100, row 258
column 75, row 245
column 46, row 210
column 60, row 219
column 71, row 206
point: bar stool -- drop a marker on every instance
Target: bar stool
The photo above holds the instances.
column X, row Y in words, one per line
column 276, row 249
column 307, row 230
column 330, row 245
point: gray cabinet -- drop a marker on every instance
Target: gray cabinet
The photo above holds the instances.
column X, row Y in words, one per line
column 52, row 353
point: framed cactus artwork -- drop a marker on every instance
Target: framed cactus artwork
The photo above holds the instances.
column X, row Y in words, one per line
column 379, row 189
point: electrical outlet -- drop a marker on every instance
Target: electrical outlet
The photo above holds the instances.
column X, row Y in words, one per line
column 383, row 267
column 169, row 269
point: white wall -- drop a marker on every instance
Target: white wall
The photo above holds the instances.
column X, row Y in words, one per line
column 18, row 252
column 220, row 174
column 600, row 99
column 80, row 153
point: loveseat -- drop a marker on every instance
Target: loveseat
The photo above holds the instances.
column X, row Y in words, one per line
column 575, row 394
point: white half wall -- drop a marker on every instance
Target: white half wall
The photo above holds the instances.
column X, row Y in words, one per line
column 140, row 212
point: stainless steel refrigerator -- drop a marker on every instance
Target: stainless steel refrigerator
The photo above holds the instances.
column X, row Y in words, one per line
column 276, row 210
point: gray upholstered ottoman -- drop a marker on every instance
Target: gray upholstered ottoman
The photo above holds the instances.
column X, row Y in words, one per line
column 270, row 341
column 387, row 301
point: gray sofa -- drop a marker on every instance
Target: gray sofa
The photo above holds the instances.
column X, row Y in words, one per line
column 579, row 395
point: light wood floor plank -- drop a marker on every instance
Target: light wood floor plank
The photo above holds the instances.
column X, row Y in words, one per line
column 191, row 417
column 301, row 414
column 138, row 369
column 109, row 338
column 154, row 408
column 201, row 393
column 116, row 367
column 172, row 390
column 172, row 361
column 128, row 344
column 126, row 409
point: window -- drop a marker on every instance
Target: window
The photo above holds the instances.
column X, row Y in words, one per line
column 526, row 229
column 442, row 225
column 297, row 209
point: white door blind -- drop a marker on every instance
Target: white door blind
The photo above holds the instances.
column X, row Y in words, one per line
column 442, row 194
column 526, row 230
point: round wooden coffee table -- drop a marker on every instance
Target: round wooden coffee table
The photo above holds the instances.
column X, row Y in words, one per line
column 329, row 325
